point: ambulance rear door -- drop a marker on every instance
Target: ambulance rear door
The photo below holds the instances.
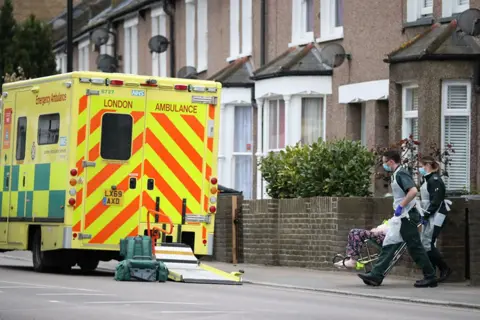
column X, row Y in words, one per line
column 175, row 167
column 113, row 164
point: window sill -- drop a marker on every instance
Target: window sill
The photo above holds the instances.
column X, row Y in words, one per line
column 300, row 42
column 424, row 21
column 242, row 55
column 329, row 38
column 449, row 19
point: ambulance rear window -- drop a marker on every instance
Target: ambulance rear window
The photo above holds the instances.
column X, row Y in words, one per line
column 21, row 138
column 48, row 128
column 116, row 143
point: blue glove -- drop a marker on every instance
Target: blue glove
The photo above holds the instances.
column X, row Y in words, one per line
column 398, row 211
column 423, row 221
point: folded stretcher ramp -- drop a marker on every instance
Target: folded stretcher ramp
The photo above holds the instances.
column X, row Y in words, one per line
column 183, row 266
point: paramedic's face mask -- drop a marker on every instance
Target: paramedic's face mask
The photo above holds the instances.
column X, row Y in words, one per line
column 387, row 164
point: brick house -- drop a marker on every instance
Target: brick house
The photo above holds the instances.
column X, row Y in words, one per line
column 276, row 89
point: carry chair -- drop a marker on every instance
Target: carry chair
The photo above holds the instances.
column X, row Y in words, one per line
column 371, row 258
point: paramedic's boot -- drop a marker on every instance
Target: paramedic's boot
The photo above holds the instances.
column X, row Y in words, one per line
column 426, row 282
column 370, row 280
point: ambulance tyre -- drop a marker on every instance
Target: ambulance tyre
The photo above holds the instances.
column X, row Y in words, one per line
column 41, row 259
column 88, row 264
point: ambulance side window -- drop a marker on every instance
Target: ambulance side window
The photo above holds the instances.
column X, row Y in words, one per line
column 116, row 140
column 48, row 128
column 21, row 138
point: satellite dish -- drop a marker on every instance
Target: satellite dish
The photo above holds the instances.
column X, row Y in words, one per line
column 100, row 36
column 333, row 55
column 187, row 73
column 107, row 63
column 469, row 22
column 158, row 44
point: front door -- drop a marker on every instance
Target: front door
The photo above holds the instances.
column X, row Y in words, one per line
column 113, row 167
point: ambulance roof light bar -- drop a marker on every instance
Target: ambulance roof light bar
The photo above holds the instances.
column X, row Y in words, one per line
column 116, row 82
column 149, row 83
column 97, row 81
column 181, row 87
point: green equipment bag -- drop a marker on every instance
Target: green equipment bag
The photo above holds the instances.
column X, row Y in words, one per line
column 162, row 274
column 139, row 247
column 141, row 270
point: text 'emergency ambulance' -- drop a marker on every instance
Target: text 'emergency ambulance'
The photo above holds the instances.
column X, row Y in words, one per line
column 54, row 97
column 166, row 107
column 118, row 104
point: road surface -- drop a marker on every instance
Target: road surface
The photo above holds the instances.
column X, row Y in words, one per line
column 26, row 295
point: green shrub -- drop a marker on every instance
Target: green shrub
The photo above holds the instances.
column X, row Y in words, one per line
column 338, row 168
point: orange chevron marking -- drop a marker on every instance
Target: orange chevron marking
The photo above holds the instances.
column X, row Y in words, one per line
column 164, row 187
column 79, row 166
column 211, row 111
column 179, row 138
column 117, row 222
column 133, row 233
column 173, row 164
column 99, row 208
column 82, row 104
column 195, row 124
column 111, row 168
column 81, row 135
column 205, row 204
column 210, row 144
column 94, row 153
column 97, row 119
column 103, row 175
column 137, row 115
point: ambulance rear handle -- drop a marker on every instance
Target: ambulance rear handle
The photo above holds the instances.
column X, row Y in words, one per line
column 133, row 183
column 24, row 181
column 150, row 184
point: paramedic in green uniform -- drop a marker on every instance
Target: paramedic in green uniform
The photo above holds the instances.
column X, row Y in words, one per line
column 404, row 193
column 435, row 208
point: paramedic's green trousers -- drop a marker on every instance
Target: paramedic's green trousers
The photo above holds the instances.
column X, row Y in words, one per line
column 411, row 236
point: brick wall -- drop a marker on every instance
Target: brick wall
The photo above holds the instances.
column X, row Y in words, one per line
column 223, row 229
column 474, row 241
column 309, row 232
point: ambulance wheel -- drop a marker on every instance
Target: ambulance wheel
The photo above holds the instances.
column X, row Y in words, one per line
column 88, row 265
column 41, row 259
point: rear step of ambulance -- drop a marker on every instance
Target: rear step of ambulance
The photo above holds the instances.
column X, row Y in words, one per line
column 183, row 266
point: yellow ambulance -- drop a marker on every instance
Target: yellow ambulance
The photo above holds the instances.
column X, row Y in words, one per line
column 85, row 157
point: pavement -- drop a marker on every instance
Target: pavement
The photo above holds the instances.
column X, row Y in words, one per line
column 269, row 293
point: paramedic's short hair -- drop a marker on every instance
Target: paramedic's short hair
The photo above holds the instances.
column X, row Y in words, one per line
column 393, row 155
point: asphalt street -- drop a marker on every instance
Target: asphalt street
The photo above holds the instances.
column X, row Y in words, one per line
column 26, row 295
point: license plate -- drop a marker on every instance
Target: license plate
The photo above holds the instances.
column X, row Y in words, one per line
column 113, row 198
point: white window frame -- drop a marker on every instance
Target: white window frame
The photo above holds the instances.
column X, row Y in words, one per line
column 241, row 41
column 300, row 101
column 83, row 55
column 61, row 61
column 451, row 7
column 463, row 113
column 202, row 35
column 328, row 30
column 190, row 31
column 300, row 35
column 159, row 27
column 407, row 115
column 267, row 123
column 363, row 124
column 130, row 52
column 236, row 154
column 416, row 9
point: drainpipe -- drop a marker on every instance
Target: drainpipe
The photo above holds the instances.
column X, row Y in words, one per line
column 167, row 6
column 263, row 27
column 69, row 35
